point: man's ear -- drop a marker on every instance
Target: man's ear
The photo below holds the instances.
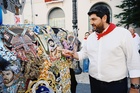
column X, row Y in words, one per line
column 104, row 18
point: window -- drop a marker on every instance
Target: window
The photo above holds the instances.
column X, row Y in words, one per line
column 57, row 18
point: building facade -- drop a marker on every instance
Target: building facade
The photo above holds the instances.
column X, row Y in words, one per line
column 59, row 13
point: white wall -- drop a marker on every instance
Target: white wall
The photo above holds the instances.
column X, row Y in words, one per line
column 42, row 10
column 8, row 18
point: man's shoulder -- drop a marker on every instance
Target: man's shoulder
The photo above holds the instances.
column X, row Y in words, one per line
column 122, row 32
column 121, row 28
column 137, row 34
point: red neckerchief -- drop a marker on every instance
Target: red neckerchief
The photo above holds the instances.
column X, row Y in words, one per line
column 134, row 35
column 110, row 28
column 85, row 38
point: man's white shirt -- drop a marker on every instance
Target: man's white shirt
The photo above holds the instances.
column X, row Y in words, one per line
column 112, row 56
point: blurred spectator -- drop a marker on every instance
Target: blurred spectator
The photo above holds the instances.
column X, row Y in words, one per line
column 135, row 37
column 86, row 60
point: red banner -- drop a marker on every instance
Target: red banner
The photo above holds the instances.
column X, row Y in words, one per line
column 48, row 0
column 53, row 0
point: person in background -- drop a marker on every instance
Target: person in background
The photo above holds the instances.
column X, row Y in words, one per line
column 86, row 60
column 112, row 55
column 85, row 38
column 91, row 31
column 135, row 37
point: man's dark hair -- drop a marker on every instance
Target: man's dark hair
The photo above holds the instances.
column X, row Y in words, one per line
column 87, row 33
column 100, row 11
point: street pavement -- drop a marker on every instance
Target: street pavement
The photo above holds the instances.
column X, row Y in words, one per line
column 83, row 83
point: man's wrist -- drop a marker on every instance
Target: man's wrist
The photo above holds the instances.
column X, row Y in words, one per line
column 72, row 54
column 135, row 86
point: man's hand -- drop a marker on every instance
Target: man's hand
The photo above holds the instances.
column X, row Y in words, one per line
column 134, row 90
column 66, row 52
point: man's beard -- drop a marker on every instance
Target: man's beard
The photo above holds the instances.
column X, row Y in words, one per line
column 98, row 29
